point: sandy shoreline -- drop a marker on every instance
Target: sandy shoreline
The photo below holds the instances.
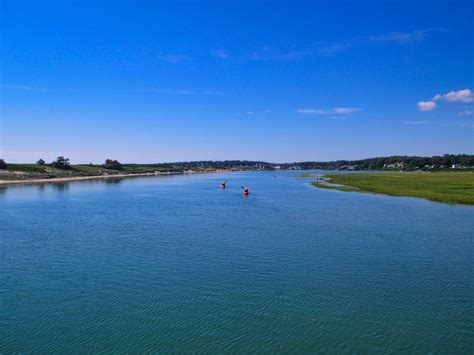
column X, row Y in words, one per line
column 79, row 178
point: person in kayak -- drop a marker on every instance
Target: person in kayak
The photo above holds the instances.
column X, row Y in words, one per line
column 223, row 184
column 245, row 191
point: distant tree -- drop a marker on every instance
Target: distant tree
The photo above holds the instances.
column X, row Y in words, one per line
column 61, row 163
column 113, row 164
column 3, row 165
column 466, row 160
column 40, row 162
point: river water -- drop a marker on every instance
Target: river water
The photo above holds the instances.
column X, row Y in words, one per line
column 176, row 264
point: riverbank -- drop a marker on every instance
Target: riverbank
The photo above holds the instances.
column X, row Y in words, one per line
column 46, row 173
column 79, row 178
column 449, row 187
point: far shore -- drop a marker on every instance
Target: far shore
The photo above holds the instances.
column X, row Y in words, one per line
column 78, row 178
column 447, row 187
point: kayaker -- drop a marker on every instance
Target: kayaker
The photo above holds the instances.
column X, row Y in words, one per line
column 223, row 184
column 245, row 191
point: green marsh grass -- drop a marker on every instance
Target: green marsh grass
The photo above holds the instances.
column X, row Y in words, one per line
column 447, row 187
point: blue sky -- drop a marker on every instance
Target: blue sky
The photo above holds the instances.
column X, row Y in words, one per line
column 282, row 81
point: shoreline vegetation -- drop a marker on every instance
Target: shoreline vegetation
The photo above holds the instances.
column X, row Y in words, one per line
column 447, row 187
column 79, row 178
column 62, row 170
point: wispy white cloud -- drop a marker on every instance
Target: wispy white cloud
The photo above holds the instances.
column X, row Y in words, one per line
column 425, row 106
column 464, row 96
column 270, row 53
column 210, row 92
column 345, row 110
column 333, row 111
column 417, row 123
column 187, row 92
column 335, row 48
column 293, row 53
column 262, row 112
column 389, row 37
column 171, row 58
column 467, row 113
column 173, row 91
column 461, row 124
column 220, row 53
column 401, row 37
column 22, row 87
column 311, row 111
column 338, row 118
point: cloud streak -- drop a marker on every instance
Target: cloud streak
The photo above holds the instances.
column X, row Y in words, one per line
column 187, row 92
column 401, row 37
column 172, row 91
column 417, row 123
column 343, row 111
column 171, row 58
column 269, row 53
column 389, row 37
column 22, row 87
column 220, row 54
column 467, row 113
column 264, row 112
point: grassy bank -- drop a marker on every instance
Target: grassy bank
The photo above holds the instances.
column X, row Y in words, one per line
column 448, row 187
column 15, row 172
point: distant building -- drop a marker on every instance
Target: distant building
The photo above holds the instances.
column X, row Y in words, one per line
column 399, row 165
column 349, row 167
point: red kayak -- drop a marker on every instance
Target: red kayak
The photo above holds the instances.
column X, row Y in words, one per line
column 222, row 186
column 245, row 192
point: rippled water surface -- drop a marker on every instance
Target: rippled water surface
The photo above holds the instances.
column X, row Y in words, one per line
column 177, row 264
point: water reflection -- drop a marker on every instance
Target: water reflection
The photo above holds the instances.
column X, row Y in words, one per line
column 113, row 180
column 30, row 190
column 59, row 186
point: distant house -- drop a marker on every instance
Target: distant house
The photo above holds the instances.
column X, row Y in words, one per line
column 399, row 165
column 349, row 167
column 456, row 166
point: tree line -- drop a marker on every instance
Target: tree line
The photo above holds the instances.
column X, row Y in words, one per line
column 408, row 162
